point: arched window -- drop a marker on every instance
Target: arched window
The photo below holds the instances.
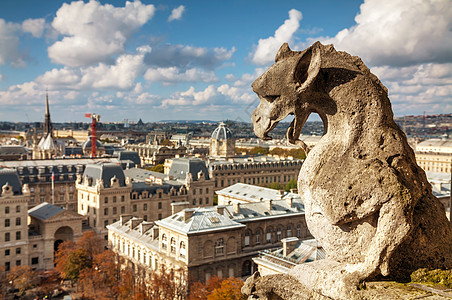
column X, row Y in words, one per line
column 278, row 234
column 173, row 245
column 268, row 236
column 219, row 247
column 164, row 241
column 289, row 230
column 247, row 238
column 258, row 236
column 183, row 251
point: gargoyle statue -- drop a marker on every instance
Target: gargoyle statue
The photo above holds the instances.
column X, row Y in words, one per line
column 367, row 202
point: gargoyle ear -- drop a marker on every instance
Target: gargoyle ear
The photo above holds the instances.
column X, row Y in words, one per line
column 284, row 52
column 308, row 66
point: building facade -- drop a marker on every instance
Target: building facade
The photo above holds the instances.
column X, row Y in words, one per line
column 208, row 241
column 222, row 142
column 435, row 155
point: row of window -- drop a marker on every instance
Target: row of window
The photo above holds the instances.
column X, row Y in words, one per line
column 8, row 251
column 256, row 180
column 173, row 246
column 268, row 234
column 8, row 210
column 8, row 236
column 114, row 199
column 200, row 191
column 200, row 201
column 8, row 222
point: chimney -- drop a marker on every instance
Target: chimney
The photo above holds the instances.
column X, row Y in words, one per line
column 289, row 201
column 134, row 222
column 188, row 213
column 289, row 245
column 220, row 209
column 155, row 232
column 178, row 206
column 438, row 185
column 269, row 204
column 236, row 206
column 145, row 226
column 281, row 194
column 124, row 218
column 293, row 191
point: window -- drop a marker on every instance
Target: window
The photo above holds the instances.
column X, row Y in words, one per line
column 18, row 262
column 298, row 230
column 106, row 200
column 32, row 200
column 164, row 242
column 7, row 252
column 7, row 237
column 207, row 190
column 258, row 237
column 160, row 205
column 61, row 198
column 17, row 235
column 278, row 233
column 194, row 201
column 247, row 238
column 200, row 201
column 219, row 247
column 105, row 223
column 289, row 231
column 194, row 191
column 123, row 209
column 173, row 245
column 7, row 223
column 122, row 198
column 7, row 266
column 145, row 207
column 35, row 260
column 18, row 221
column 134, row 207
column 115, row 210
column 41, row 199
column 269, row 236
column 106, row 211
column 160, row 216
column 35, row 246
column 182, row 250
column 160, row 194
column 200, row 191
column 6, row 209
column 18, row 250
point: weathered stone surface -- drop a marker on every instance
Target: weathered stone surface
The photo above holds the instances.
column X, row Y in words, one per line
column 367, row 202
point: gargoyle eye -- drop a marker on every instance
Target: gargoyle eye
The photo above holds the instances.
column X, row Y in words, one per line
column 271, row 98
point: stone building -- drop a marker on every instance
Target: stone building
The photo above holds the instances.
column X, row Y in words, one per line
column 208, row 241
column 222, row 142
column 13, row 226
column 13, row 152
column 31, row 244
column 435, row 155
column 260, row 170
column 38, row 175
column 106, row 191
column 152, row 154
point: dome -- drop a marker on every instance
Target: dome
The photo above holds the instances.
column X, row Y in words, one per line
column 87, row 144
column 222, row 133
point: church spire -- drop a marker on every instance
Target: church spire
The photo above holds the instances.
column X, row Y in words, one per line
column 47, row 123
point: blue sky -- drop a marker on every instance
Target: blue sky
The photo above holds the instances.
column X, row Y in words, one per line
column 159, row 60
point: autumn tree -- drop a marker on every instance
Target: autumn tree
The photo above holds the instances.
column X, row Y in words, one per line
column 292, row 184
column 22, row 278
column 158, row 168
column 230, row 289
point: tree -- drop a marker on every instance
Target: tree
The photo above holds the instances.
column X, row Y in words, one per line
column 230, row 289
column 292, row 184
column 258, row 151
column 22, row 278
column 276, row 186
column 158, row 168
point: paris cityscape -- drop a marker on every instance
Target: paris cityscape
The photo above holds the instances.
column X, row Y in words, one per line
column 130, row 162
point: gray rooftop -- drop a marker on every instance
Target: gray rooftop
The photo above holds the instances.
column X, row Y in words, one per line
column 44, row 211
column 105, row 171
column 10, row 176
column 252, row 193
column 12, row 150
column 183, row 166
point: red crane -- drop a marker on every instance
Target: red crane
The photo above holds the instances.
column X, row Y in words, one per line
column 94, row 119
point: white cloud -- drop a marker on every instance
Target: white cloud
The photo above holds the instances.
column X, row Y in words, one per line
column 187, row 56
column 34, row 26
column 1, row 77
column 9, row 45
column 267, row 48
column 399, row 32
column 236, row 94
column 94, row 32
column 176, row 14
column 191, row 97
column 20, row 94
column 173, row 75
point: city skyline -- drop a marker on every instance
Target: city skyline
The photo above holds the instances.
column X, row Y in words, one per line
column 172, row 60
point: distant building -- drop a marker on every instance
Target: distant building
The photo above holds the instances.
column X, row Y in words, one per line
column 222, row 142
column 292, row 253
column 208, row 241
column 435, row 155
column 151, row 154
column 13, row 152
column 106, row 191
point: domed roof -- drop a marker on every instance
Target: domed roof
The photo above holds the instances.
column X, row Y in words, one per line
column 222, row 132
column 87, row 144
